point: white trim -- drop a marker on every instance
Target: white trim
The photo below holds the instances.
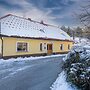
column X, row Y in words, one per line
column 44, row 46
column 62, row 47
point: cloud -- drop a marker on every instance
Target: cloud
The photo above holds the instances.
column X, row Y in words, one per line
column 51, row 11
column 27, row 10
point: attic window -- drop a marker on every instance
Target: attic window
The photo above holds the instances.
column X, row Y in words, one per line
column 42, row 30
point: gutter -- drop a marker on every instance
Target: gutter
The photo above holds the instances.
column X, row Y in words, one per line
column 2, row 46
column 39, row 38
column 1, row 41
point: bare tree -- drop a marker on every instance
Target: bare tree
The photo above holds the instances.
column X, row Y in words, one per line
column 84, row 14
column 84, row 18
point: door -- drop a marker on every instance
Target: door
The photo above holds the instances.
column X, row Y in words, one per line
column 49, row 49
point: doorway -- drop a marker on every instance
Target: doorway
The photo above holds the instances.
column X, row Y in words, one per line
column 49, row 49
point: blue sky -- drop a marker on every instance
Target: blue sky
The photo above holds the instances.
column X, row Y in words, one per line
column 59, row 12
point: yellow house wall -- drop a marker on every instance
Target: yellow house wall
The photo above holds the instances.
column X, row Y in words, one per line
column 65, row 44
column 9, row 46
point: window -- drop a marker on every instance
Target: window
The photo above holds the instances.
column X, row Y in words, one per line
column 44, row 45
column 61, row 47
column 23, row 47
column 40, row 46
column 68, row 47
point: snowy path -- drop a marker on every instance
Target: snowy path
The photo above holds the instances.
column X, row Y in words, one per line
column 30, row 75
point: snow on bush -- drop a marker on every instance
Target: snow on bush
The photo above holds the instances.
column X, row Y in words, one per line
column 77, row 67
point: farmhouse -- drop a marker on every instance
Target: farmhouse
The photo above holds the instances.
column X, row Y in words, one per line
column 25, row 37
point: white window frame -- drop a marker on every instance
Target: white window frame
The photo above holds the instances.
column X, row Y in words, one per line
column 22, row 42
column 62, row 47
column 45, row 46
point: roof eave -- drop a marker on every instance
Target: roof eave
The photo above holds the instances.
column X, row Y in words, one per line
column 39, row 38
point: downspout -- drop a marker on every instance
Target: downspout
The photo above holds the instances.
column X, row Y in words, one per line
column 1, row 40
column 2, row 46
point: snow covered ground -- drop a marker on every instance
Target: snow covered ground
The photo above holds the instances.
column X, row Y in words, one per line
column 61, row 83
column 33, row 73
column 11, row 66
column 21, row 59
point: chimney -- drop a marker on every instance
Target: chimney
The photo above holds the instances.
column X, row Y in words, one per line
column 42, row 22
column 29, row 19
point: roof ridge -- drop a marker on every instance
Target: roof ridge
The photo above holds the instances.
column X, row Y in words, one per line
column 5, row 16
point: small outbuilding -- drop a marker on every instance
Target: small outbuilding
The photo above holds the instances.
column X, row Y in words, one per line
column 25, row 37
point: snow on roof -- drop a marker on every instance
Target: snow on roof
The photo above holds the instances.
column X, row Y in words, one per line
column 12, row 25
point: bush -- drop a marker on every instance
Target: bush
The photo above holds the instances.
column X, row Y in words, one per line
column 77, row 67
